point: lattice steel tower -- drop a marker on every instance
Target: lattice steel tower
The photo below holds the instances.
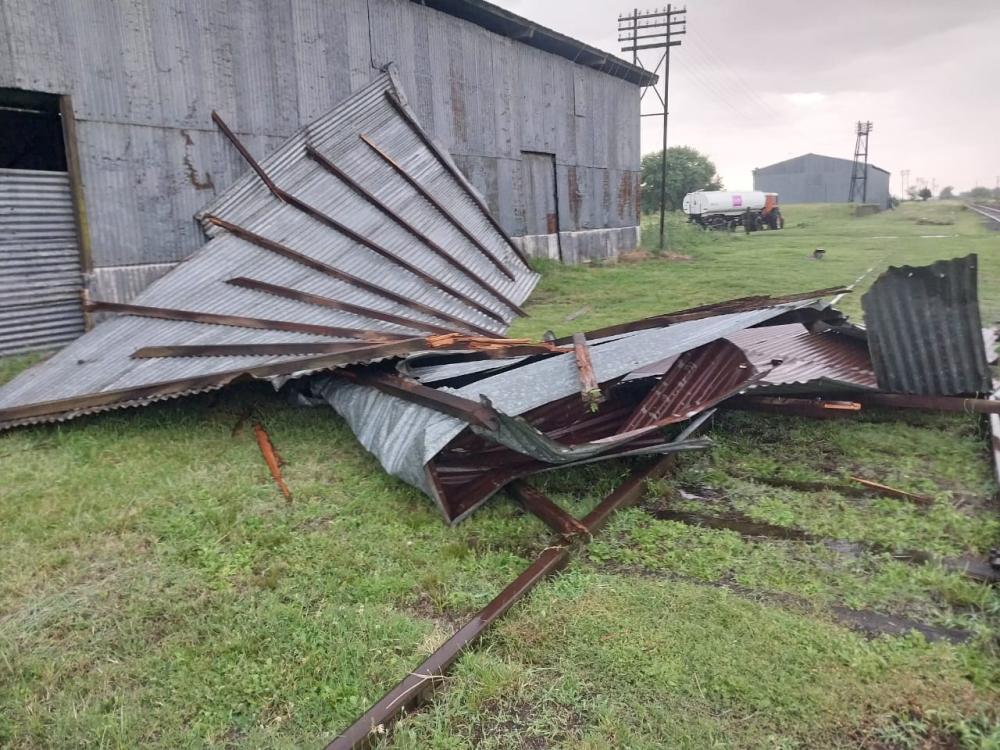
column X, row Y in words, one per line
column 859, row 171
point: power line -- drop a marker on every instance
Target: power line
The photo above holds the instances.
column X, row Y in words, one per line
column 717, row 91
column 655, row 30
column 740, row 84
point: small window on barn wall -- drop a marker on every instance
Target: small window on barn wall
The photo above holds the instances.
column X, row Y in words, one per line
column 31, row 135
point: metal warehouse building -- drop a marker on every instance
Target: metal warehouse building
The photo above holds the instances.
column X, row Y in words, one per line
column 812, row 178
column 107, row 146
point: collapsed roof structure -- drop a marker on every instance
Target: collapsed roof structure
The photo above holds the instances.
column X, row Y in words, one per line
column 487, row 421
column 359, row 252
column 357, row 239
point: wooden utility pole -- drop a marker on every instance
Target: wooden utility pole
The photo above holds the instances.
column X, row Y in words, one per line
column 664, row 25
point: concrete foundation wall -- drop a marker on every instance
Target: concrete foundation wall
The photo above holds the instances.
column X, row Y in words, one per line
column 582, row 246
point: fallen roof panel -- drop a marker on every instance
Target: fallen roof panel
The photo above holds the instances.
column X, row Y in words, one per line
column 406, row 436
column 340, row 263
column 924, row 329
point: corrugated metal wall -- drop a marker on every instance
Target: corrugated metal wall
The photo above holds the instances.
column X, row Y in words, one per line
column 812, row 178
column 40, row 305
column 144, row 76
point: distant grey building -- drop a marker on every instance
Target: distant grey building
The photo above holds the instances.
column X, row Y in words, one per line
column 812, row 178
column 107, row 147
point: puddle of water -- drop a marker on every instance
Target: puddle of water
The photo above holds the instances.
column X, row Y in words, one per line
column 743, row 525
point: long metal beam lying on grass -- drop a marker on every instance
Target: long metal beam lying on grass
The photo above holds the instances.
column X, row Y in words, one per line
column 417, row 686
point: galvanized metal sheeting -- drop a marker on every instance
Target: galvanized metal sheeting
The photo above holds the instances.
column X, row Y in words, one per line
column 924, row 329
column 144, row 75
column 101, row 361
column 40, row 305
column 405, row 436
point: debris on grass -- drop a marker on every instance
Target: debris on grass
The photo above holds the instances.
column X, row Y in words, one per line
column 271, row 458
column 888, row 491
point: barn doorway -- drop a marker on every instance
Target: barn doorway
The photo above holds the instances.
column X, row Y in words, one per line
column 541, row 214
column 40, row 271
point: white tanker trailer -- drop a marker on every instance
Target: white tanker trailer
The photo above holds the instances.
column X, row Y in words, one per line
column 728, row 209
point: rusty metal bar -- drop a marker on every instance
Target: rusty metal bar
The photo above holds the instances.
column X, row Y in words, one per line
column 460, row 178
column 442, row 209
column 305, row 260
column 378, row 249
column 420, row 235
column 590, row 389
column 247, row 156
column 795, row 407
column 168, row 388
column 419, row 684
column 884, row 489
column 278, row 349
column 316, row 299
column 741, row 304
column 352, row 235
column 240, row 321
column 408, row 389
column 930, row 403
column 271, row 458
column 540, row 506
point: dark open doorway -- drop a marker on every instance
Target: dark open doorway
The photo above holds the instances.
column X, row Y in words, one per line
column 31, row 131
column 41, row 280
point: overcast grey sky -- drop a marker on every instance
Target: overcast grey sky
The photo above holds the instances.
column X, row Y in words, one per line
column 758, row 82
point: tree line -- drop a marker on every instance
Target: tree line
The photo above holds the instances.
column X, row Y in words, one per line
column 687, row 170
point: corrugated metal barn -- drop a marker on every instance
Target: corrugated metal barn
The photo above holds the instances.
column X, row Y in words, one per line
column 812, row 178
column 107, row 147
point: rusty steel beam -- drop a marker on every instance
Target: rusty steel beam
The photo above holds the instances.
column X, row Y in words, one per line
column 741, row 304
column 794, row 407
column 431, row 244
column 271, row 458
column 305, row 260
column 590, row 389
column 121, row 397
column 421, row 682
column 343, row 229
column 321, row 301
column 247, row 156
column 442, row 209
column 278, row 349
column 930, row 403
column 378, row 249
column 460, row 178
column 472, row 412
column 540, row 506
column 240, row 321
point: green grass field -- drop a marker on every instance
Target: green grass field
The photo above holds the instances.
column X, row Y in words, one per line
column 157, row 591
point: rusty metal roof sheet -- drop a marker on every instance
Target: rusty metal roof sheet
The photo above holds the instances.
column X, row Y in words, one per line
column 406, row 436
column 817, row 362
column 274, row 278
column 924, row 329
